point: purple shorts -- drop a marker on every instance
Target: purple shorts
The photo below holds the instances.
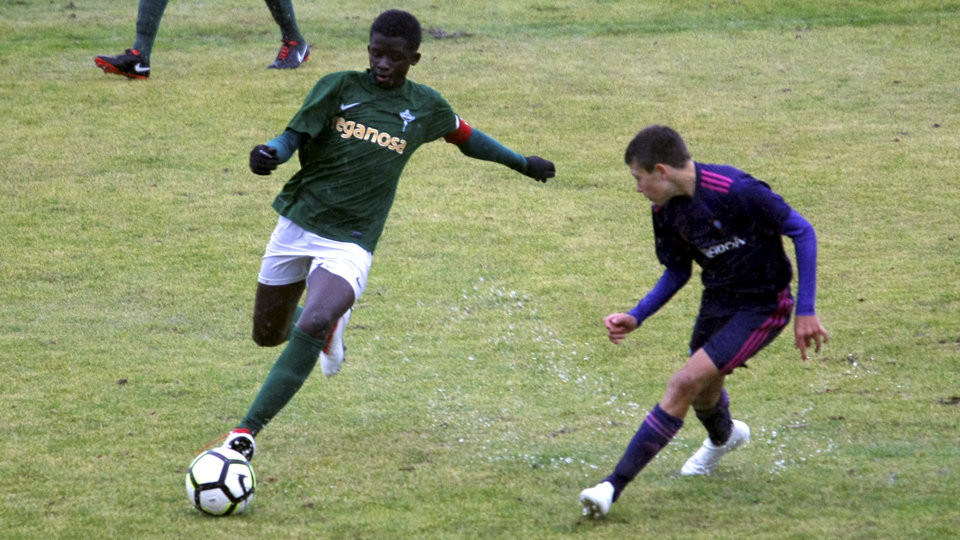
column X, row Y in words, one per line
column 732, row 335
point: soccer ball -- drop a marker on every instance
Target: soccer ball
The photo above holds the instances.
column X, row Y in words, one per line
column 220, row 482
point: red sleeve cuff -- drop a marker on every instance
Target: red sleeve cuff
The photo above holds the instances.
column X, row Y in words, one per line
column 460, row 134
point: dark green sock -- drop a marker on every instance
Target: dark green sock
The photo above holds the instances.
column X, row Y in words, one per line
column 148, row 22
column 282, row 11
column 288, row 374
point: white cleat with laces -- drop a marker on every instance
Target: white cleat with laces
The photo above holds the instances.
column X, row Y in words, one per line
column 705, row 460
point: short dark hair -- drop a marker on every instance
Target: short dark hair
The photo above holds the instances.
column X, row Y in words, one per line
column 395, row 23
column 657, row 144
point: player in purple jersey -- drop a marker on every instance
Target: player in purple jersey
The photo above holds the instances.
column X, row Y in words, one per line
column 731, row 225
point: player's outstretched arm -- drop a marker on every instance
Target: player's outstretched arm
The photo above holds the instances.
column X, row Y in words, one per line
column 476, row 144
column 619, row 325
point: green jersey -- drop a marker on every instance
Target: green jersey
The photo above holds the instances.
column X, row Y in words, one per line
column 360, row 138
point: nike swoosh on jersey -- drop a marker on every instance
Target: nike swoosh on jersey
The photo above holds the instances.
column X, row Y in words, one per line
column 345, row 106
column 140, row 69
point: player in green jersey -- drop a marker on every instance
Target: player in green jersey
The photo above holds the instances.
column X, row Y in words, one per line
column 134, row 63
column 354, row 134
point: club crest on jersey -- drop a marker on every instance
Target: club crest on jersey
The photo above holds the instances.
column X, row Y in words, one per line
column 350, row 129
column 407, row 117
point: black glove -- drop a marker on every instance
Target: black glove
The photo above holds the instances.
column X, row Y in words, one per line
column 539, row 169
column 263, row 159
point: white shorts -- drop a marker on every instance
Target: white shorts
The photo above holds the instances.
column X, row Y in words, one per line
column 293, row 253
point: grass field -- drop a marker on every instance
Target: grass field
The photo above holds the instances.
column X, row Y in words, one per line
column 480, row 394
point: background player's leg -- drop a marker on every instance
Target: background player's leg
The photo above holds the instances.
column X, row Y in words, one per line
column 135, row 63
column 294, row 49
column 286, row 19
column 148, row 23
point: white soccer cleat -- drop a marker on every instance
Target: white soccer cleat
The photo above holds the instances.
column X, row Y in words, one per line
column 596, row 501
column 331, row 357
column 705, row 460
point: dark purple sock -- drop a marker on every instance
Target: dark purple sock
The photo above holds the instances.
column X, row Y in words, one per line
column 655, row 432
column 717, row 420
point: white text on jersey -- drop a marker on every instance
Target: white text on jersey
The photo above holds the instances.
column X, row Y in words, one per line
column 713, row 251
column 349, row 128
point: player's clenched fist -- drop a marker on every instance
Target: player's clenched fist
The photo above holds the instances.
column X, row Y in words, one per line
column 539, row 169
column 263, row 159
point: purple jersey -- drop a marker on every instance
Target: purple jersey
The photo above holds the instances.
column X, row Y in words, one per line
column 731, row 227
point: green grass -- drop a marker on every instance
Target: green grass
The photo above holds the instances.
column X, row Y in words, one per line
column 480, row 394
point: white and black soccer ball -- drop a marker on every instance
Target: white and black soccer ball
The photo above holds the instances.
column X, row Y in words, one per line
column 220, row 482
